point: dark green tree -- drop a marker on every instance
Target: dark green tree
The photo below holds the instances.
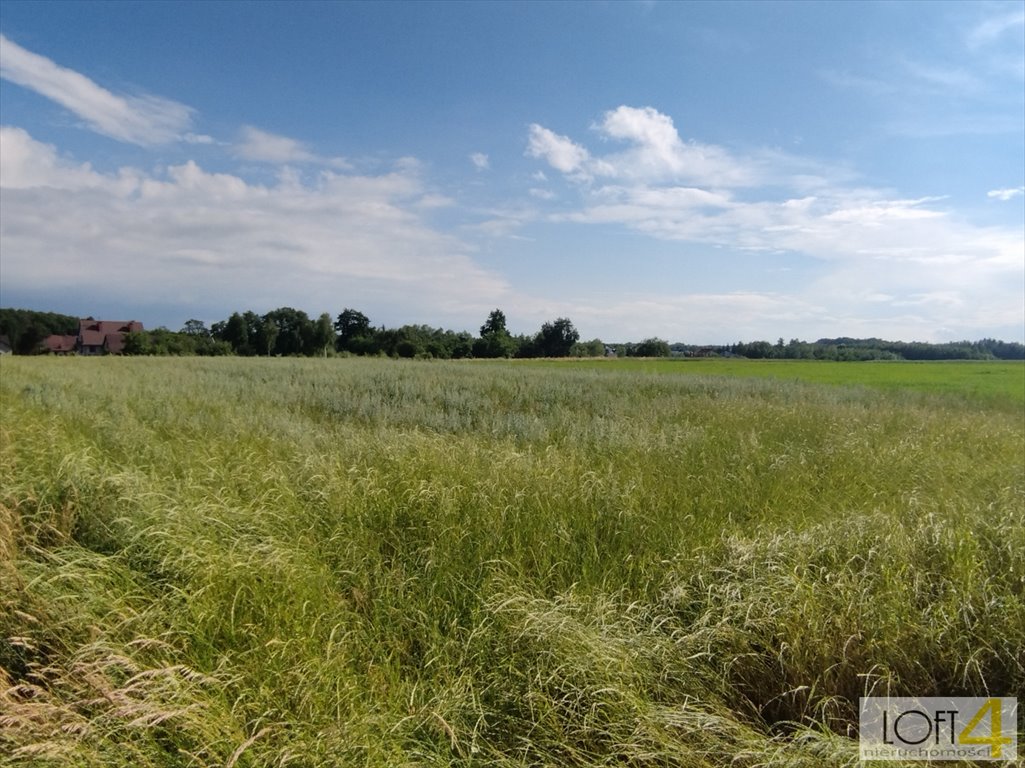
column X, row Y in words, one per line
column 557, row 338
column 195, row 328
column 353, row 329
column 295, row 331
column 652, row 347
column 494, row 340
column 236, row 333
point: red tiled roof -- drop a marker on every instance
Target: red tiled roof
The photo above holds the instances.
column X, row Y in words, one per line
column 91, row 338
column 57, row 343
column 109, row 326
column 106, row 333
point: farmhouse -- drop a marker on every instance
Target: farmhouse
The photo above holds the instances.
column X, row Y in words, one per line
column 95, row 337
column 60, row 345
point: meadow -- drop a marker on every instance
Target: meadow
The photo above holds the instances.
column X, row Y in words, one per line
column 355, row 562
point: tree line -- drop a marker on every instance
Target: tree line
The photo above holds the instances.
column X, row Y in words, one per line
column 847, row 348
column 291, row 332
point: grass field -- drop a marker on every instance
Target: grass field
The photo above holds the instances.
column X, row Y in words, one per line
column 993, row 383
column 348, row 562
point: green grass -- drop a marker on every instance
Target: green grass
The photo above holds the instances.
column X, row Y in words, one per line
column 996, row 383
column 372, row 563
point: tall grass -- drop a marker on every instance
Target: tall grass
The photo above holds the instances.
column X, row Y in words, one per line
column 374, row 563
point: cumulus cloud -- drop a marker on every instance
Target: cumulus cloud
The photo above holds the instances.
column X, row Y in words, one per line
column 654, row 152
column 143, row 119
column 196, row 238
column 915, row 251
column 559, row 151
column 480, row 161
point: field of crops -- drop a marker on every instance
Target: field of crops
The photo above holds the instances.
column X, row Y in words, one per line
column 349, row 562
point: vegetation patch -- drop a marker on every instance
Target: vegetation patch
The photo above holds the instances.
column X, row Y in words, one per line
column 327, row 562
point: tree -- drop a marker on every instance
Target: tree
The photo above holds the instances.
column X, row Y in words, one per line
column 495, row 340
column 196, row 328
column 556, row 339
column 592, row 348
column 267, row 336
column 652, row 347
column 494, row 324
column 236, row 333
column 295, row 331
column 324, row 333
column 353, row 329
column 137, row 343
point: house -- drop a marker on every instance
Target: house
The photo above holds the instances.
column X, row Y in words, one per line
column 104, row 337
column 60, row 345
column 95, row 337
column 5, row 346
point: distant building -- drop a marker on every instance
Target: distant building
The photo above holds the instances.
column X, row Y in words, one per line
column 5, row 346
column 60, row 345
column 95, row 337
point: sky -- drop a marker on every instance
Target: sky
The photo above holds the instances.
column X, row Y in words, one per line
column 703, row 172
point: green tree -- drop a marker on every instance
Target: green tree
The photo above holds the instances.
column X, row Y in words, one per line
column 267, row 336
column 195, row 328
column 557, row 338
column 652, row 347
column 137, row 343
column 495, row 340
column 353, row 329
column 592, row 348
column 295, row 331
column 236, row 333
column 324, row 334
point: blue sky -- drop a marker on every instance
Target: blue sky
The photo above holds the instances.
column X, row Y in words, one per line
column 702, row 172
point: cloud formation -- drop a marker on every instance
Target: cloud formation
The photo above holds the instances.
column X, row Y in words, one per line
column 914, row 252
column 144, row 120
column 480, row 161
column 263, row 147
column 202, row 239
column 1005, row 194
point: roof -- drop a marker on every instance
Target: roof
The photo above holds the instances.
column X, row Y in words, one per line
column 108, row 326
column 91, row 338
column 58, row 343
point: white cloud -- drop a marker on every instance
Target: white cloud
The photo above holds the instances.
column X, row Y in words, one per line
column 199, row 239
column 263, row 147
column 867, row 243
column 480, row 161
column 1005, row 194
column 144, row 120
column 560, row 153
column 995, row 27
column 655, row 153
column 198, row 138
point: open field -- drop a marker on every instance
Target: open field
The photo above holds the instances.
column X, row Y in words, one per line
column 991, row 382
column 348, row 562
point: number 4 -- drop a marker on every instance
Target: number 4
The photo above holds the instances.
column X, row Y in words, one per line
column 995, row 740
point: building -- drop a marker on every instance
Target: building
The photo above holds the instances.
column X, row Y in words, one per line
column 95, row 337
column 60, row 345
column 104, row 337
